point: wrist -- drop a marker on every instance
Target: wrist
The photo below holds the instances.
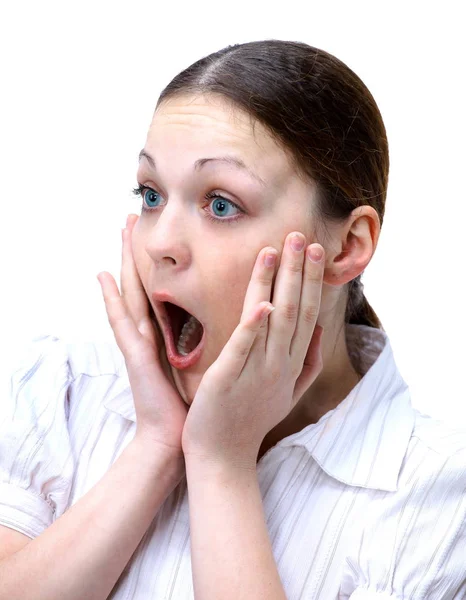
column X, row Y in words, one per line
column 154, row 454
column 206, row 467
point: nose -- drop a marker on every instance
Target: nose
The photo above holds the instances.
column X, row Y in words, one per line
column 167, row 243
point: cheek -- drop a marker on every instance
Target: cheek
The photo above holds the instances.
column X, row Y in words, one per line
column 229, row 279
column 229, row 275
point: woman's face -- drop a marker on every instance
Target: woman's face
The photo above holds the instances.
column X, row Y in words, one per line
column 205, row 263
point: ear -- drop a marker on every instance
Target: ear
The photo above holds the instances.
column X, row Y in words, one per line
column 353, row 246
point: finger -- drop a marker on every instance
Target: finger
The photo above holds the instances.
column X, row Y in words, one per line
column 132, row 289
column 234, row 354
column 126, row 333
column 129, row 278
column 286, row 296
column 309, row 307
column 260, row 285
column 140, row 357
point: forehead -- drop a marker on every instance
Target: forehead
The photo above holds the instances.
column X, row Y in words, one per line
column 210, row 124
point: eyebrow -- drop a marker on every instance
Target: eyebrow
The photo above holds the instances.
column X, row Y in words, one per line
column 200, row 162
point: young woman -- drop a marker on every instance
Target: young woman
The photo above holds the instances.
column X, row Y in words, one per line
column 219, row 450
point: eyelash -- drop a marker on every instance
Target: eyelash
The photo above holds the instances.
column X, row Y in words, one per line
column 139, row 191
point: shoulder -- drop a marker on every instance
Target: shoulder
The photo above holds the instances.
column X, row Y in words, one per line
column 44, row 421
column 432, row 480
column 95, row 358
column 47, row 365
column 433, row 477
column 437, row 436
column 40, row 368
column 435, row 462
column 83, row 357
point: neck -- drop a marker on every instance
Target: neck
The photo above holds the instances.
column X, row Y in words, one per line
column 334, row 383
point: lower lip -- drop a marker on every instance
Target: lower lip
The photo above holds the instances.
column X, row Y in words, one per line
column 178, row 361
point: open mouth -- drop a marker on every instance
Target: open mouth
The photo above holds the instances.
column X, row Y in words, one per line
column 184, row 336
column 186, row 329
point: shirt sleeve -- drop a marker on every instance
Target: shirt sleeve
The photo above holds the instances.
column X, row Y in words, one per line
column 413, row 544
column 36, row 459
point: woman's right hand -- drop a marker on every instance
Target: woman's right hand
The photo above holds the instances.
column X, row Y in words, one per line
column 160, row 410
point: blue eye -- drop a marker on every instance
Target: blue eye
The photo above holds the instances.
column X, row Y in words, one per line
column 221, row 204
column 150, row 197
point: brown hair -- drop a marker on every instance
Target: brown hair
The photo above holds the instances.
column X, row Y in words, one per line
column 323, row 115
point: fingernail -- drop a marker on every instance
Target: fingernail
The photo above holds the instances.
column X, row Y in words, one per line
column 315, row 254
column 268, row 308
column 297, row 243
column 269, row 260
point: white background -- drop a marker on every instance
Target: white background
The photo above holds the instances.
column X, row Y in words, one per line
column 80, row 81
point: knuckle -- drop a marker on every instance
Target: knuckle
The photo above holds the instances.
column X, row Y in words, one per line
column 290, row 311
column 310, row 313
column 274, row 375
column 314, row 277
column 264, row 278
column 242, row 350
column 114, row 318
column 295, row 267
column 116, row 314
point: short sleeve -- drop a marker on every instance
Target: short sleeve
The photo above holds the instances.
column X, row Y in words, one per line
column 36, row 460
column 413, row 544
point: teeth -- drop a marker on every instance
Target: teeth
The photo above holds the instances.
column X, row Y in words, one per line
column 188, row 328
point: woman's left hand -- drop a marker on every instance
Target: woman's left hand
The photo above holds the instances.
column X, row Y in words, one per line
column 266, row 365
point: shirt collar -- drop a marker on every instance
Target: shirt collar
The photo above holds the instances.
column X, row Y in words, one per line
column 362, row 442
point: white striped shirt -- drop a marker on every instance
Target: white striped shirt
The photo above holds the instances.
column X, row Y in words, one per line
column 368, row 503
